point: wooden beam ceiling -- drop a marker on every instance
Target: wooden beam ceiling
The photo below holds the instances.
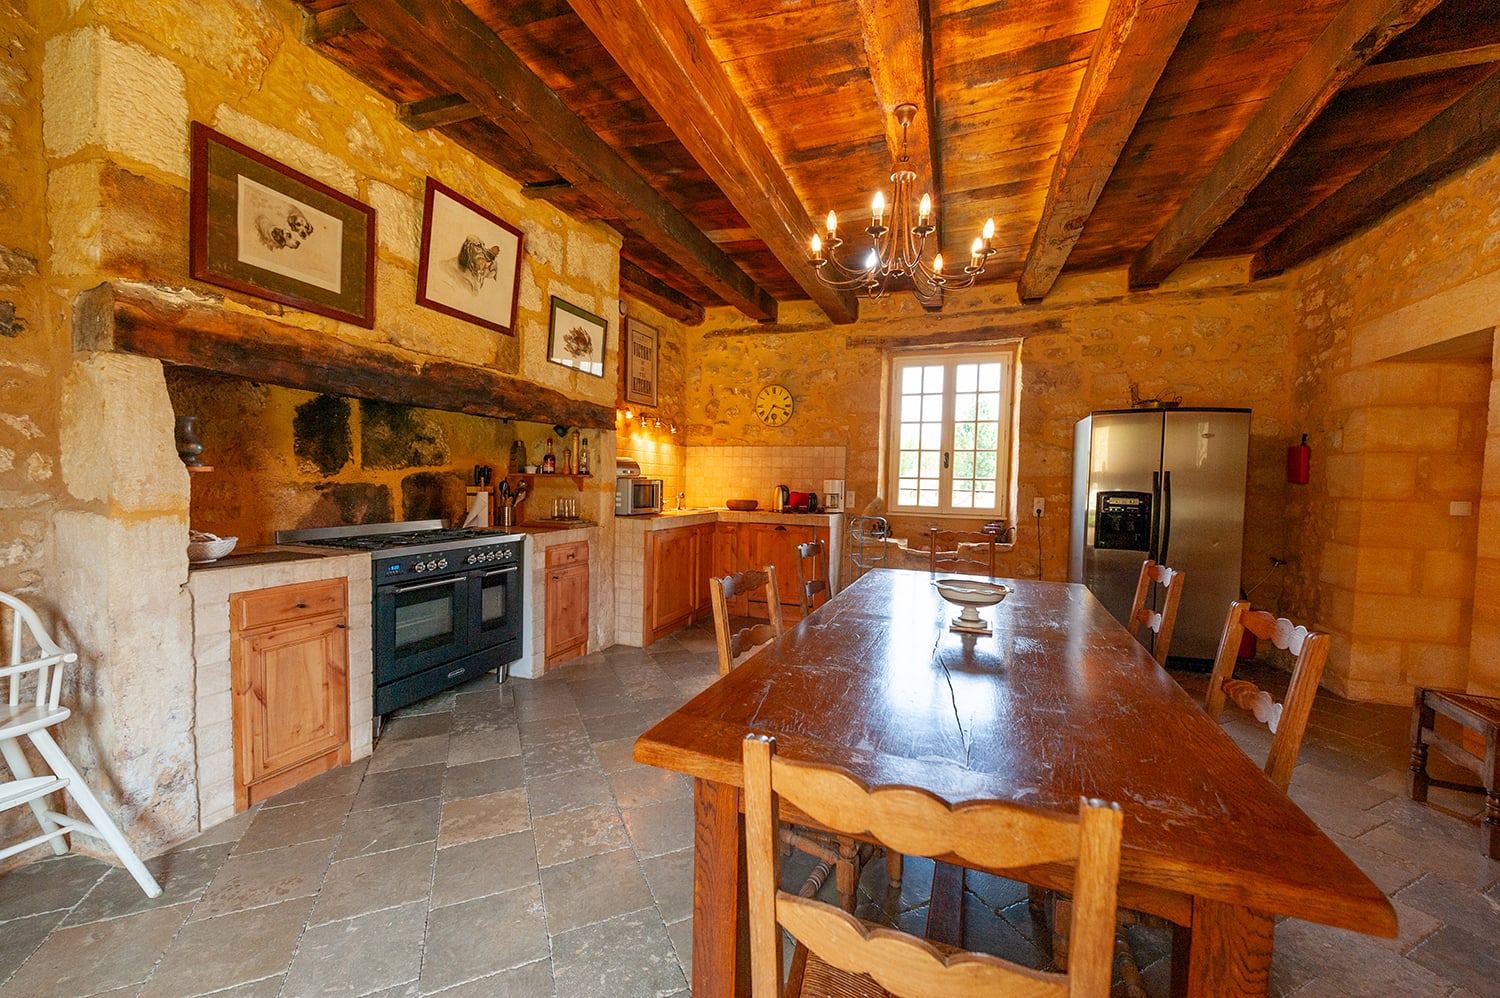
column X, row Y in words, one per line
column 661, row 296
column 458, row 48
column 669, row 59
column 1355, row 36
column 1132, row 48
column 1467, row 130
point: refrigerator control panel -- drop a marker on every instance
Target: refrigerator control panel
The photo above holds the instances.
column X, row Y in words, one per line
column 1122, row 521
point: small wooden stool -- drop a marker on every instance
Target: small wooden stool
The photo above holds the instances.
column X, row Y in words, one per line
column 1480, row 714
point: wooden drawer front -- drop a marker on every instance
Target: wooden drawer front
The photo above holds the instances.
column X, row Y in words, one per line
column 284, row 603
column 568, row 554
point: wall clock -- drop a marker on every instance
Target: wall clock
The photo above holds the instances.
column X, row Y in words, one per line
column 773, row 405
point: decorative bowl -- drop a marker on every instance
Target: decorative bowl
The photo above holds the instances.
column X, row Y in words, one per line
column 209, row 547
column 743, row 505
column 969, row 596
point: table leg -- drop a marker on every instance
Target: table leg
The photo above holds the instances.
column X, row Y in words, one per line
column 1231, row 951
column 721, row 951
column 1489, row 828
column 1421, row 720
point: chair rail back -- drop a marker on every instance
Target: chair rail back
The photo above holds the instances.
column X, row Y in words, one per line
column 736, row 646
column 32, row 653
column 808, row 584
column 1159, row 622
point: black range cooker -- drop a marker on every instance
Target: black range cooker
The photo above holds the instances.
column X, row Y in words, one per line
column 447, row 603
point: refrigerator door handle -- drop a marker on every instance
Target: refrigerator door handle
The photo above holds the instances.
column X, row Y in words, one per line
column 1155, row 514
column 1166, row 515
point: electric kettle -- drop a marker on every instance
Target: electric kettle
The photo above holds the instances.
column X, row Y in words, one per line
column 783, row 496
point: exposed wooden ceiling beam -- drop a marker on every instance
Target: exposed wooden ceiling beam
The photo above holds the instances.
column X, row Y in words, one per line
column 325, row 25
column 667, row 56
column 434, row 112
column 1465, row 131
column 1132, row 48
column 456, row 47
column 1355, row 36
column 898, row 51
column 661, row 296
column 1404, row 69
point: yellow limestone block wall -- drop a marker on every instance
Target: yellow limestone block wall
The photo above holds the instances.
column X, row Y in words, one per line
column 1396, row 389
column 660, row 452
column 1207, row 335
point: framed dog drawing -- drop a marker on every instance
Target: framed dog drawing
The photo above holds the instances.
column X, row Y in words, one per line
column 261, row 227
column 470, row 261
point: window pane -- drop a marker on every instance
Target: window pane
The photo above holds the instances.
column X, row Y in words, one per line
column 962, row 499
column 989, row 436
column 963, row 436
column 932, row 436
column 965, row 377
column 908, row 464
column 963, row 465
column 911, row 409
column 906, row 494
column 910, row 434
column 932, row 379
column 989, row 377
column 963, row 408
column 988, row 407
column 985, row 465
column 927, row 467
column 911, row 381
column 932, row 408
column 984, row 500
column 927, row 497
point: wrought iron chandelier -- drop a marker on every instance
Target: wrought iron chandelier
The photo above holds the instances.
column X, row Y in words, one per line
column 896, row 255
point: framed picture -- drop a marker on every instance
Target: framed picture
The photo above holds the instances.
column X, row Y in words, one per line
column 640, row 362
column 260, row 227
column 576, row 338
column 471, row 261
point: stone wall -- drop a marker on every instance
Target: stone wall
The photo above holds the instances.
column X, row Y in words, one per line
column 660, row 452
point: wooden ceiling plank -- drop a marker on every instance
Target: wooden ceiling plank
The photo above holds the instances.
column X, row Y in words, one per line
column 324, row 25
column 637, row 283
column 434, row 112
column 462, row 51
column 1465, row 131
column 1130, row 53
column 1404, row 69
column 670, row 61
column 1355, row 36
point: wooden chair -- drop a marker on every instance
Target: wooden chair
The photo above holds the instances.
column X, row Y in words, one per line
column 945, row 551
column 1288, row 720
column 1158, row 622
column 1479, row 715
column 838, row 854
column 838, row 954
column 810, row 583
column 36, row 662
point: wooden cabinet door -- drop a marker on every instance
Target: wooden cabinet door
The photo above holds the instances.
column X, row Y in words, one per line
column 727, row 557
column 776, row 544
column 703, row 568
column 567, row 598
column 670, row 583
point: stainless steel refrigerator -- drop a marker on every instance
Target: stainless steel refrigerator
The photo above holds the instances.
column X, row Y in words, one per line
column 1169, row 485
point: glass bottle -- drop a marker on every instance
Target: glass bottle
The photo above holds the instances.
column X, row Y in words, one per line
column 549, row 462
column 583, row 456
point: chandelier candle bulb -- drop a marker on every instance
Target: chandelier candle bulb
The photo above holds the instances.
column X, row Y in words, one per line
column 817, row 247
column 924, row 210
column 833, row 225
column 878, row 209
column 937, row 265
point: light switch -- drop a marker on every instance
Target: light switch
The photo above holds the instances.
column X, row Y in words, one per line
column 1460, row 509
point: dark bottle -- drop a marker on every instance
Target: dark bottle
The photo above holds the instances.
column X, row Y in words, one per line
column 549, row 462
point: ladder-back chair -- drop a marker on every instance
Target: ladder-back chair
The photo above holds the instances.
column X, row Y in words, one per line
column 964, row 552
column 1158, row 622
column 814, row 580
column 33, row 675
column 1287, row 720
column 838, row 954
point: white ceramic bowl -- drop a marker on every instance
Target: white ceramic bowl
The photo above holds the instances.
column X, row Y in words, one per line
column 210, row 550
column 970, row 595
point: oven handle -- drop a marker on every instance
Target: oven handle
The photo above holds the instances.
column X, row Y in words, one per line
column 424, row 585
column 500, row 571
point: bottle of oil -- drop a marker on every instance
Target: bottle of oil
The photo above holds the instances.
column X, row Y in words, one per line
column 549, row 462
column 583, row 455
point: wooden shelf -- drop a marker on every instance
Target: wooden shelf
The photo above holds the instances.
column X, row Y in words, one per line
column 577, row 480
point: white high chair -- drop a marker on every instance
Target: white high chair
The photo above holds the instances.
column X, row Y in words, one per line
column 30, row 716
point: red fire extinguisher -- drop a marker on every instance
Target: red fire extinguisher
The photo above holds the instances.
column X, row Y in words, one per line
column 1298, row 459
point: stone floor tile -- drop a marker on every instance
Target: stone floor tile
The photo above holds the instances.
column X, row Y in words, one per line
column 624, row 724
column 670, row 877
column 98, row 956
column 266, row 987
column 592, row 889
column 1461, row 957
column 555, row 758
column 479, row 778
column 393, row 827
column 1360, row 962
column 22, row 937
column 416, row 727
column 182, row 875
column 479, row 746
column 359, row 955
column 615, row 755
column 266, row 877
column 659, row 828
column 641, row 785
column 681, row 934
column 481, row 817
column 514, row 934
column 399, row 786
column 570, row 835
column 544, row 702
column 626, row 955
column 485, row 866
column 534, row 980
column 566, row 791
column 236, row 948
column 52, row 884
column 230, row 830
column 560, row 728
column 341, row 781
column 369, row 883
column 275, row 827
column 405, row 753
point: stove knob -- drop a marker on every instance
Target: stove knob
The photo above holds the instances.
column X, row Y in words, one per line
column 431, row 565
column 443, row 563
column 471, row 559
column 488, row 556
column 419, row 567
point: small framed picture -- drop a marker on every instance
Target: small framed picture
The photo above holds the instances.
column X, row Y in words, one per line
column 577, row 338
column 471, row 261
column 261, row 227
column 640, row 362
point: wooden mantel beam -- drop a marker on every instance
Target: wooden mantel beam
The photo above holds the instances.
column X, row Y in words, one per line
column 1465, row 131
column 1355, row 36
column 459, row 49
column 191, row 331
column 667, row 56
column 1131, row 51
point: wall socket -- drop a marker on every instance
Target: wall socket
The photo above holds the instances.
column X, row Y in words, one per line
column 1038, row 506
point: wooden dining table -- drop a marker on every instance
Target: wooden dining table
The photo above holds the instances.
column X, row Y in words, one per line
column 1058, row 701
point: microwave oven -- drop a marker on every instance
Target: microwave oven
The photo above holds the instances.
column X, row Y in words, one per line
column 637, row 496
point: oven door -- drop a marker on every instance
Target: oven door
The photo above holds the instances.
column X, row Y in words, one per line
column 495, row 611
column 419, row 625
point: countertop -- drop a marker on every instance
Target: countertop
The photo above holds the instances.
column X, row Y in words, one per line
column 268, row 555
column 720, row 514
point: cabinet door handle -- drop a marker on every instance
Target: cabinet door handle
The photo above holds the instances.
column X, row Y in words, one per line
column 342, row 627
column 781, row 528
column 302, row 606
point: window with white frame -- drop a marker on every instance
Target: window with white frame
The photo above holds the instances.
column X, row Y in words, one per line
column 950, row 422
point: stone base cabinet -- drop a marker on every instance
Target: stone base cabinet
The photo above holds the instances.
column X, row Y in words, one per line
column 290, row 674
column 567, row 602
